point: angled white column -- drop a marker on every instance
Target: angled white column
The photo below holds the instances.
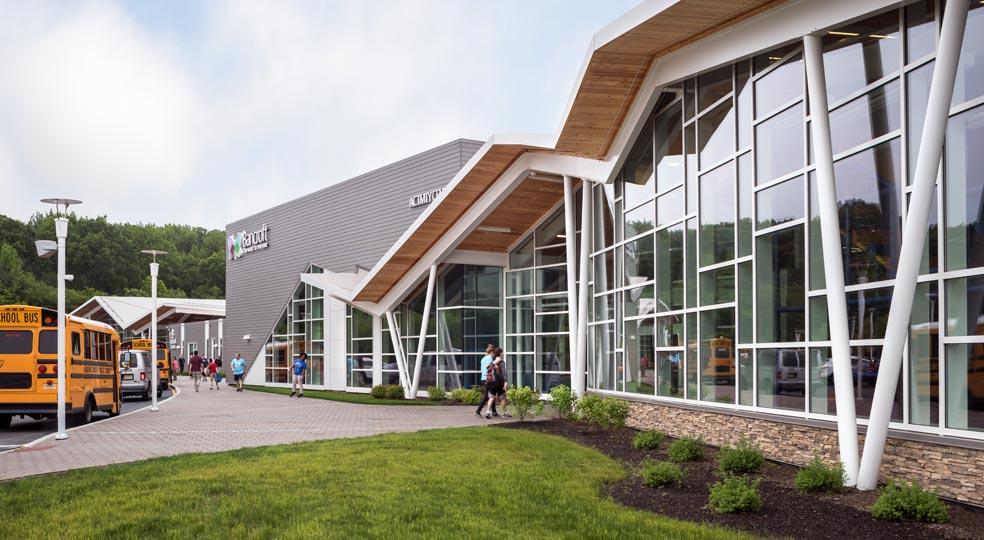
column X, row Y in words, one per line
column 579, row 365
column 833, row 264
column 569, row 222
column 398, row 352
column 377, row 350
column 913, row 238
column 421, row 343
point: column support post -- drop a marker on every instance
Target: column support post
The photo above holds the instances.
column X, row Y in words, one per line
column 579, row 366
column 833, row 265
column 571, row 242
column 423, row 331
column 398, row 351
column 913, row 238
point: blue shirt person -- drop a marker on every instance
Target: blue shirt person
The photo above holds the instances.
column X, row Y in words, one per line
column 300, row 368
column 238, row 370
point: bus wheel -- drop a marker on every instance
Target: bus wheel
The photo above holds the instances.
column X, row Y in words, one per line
column 5, row 420
column 85, row 417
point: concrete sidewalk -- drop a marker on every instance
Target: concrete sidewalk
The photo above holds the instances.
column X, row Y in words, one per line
column 218, row 420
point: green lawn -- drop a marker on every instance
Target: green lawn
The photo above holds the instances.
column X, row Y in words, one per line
column 470, row 483
column 347, row 397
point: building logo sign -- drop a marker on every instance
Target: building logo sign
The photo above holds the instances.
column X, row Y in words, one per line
column 424, row 198
column 245, row 242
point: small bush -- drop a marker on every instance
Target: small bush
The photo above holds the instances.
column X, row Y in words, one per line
column 525, row 402
column 467, row 396
column 394, row 391
column 735, row 494
column 905, row 502
column 818, row 477
column 435, row 394
column 661, row 474
column 378, row 392
column 687, row 449
column 564, row 399
column 742, row 458
column 647, row 440
column 605, row 411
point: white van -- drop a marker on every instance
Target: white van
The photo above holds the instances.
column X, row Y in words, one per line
column 136, row 375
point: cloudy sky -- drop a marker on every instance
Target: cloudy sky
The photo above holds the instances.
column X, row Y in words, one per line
column 201, row 113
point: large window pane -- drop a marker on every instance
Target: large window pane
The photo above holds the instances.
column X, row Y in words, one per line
column 640, row 220
column 744, row 89
column 779, row 145
column 916, row 103
column 779, row 87
column 745, row 303
column 551, row 280
column 669, row 207
column 817, row 278
column 640, row 377
column 669, row 271
column 692, row 362
column 965, row 190
column 965, row 386
column 601, row 362
column 717, row 355
column 669, row 331
column 746, row 203
column 970, row 70
column 965, row 306
column 865, row 361
column 671, row 374
column 522, row 256
column 867, row 313
column 780, row 203
column 639, row 260
column 717, row 286
column 822, row 397
column 868, row 117
column 638, row 172
column 920, row 33
column 717, row 215
column 924, row 359
column 669, row 149
column 860, row 54
column 519, row 316
column 638, row 301
column 519, row 283
column 713, row 86
column 551, row 232
column 716, row 134
column 782, row 375
column 691, row 262
column 868, row 207
column 781, row 283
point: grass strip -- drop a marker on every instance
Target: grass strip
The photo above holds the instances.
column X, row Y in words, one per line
column 475, row 483
column 346, row 397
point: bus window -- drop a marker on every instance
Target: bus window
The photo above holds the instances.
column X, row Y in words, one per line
column 48, row 342
column 16, row 342
column 76, row 344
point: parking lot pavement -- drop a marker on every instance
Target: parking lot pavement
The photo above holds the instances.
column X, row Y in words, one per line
column 219, row 420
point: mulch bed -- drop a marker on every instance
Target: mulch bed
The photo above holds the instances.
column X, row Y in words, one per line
column 785, row 512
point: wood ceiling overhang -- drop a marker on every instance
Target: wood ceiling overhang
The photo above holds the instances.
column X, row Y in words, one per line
column 616, row 70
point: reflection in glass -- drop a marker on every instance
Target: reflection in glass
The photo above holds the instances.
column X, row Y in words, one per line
column 965, row 190
column 669, row 331
column 639, row 260
column 965, row 386
column 669, row 207
column 551, row 280
column 717, row 355
column 930, row 257
column 822, row 398
column 640, row 220
column 746, row 203
column 746, row 376
column 640, row 377
column 865, row 360
column 601, row 370
column 781, row 286
column 691, row 263
column 638, row 173
column 552, row 323
column 717, row 215
column 670, row 367
column 553, row 352
column 817, row 278
column 745, row 303
column 716, row 133
column 865, row 118
column 690, row 143
column 965, row 306
column 819, row 328
column 691, row 361
column 669, row 149
column 868, row 201
column 970, row 70
column 744, row 88
column 924, row 359
column 779, row 87
column 779, row 145
column 917, row 101
column 717, row 286
column 852, row 62
column 669, row 271
column 780, row 203
column 713, row 86
column 782, row 379
column 867, row 313
column 519, row 283
column 551, row 232
column 920, row 29
column 638, row 301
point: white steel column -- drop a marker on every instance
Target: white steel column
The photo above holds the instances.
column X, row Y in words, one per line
column 398, row 351
column 833, row 265
column 61, row 231
column 569, row 222
column 579, row 366
column 913, row 238
column 153, row 335
column 423, row 331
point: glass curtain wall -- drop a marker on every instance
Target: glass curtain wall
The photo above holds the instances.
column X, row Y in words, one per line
column 469, row 317
column 708, row 277
column 301, row 328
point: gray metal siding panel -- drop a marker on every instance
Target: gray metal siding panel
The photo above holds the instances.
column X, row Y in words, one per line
column 348, row 224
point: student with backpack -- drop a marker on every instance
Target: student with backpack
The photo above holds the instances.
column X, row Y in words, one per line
column 495, row 381
column 486, row 360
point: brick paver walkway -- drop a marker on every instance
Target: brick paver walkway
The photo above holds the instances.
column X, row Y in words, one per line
column 218, row 420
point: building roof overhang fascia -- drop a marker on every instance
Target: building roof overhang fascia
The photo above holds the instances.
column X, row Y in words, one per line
column 138, row 310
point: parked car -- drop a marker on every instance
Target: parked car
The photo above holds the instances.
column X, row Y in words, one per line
column 136, row 375
column 791, row 371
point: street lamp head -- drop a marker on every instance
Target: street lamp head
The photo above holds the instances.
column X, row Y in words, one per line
column 153, row 252
column 57, row 201
column 46, row 248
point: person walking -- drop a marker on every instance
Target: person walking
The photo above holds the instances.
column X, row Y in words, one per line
column 238, row 371
column 213, row 380
column 174, row 370
column 195, row 365
column 495, row 379
column 486, row 360
column 300, row 369
column 181, row 365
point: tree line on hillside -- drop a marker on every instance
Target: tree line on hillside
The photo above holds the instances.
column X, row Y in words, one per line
column 105, row 259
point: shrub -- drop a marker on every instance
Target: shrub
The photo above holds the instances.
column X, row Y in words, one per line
column 687, row 449
column 467, row 396
column 394, row 391
column 818, row 477
column 661, row 474
column 564, row 399
column 742, row 458
column 605, row 411
column 735, row 494
column 435, row 394
column 378, row 392
column 647, row 440
column 905, row 502
column 524, row 401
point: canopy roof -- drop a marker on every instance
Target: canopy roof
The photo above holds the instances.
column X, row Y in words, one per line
column 134, row 312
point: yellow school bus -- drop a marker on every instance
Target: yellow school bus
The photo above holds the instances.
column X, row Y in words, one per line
column 29, row 365
column 163, row 360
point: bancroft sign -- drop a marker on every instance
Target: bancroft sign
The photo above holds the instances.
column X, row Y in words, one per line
column 245, row 242
column 424, row 198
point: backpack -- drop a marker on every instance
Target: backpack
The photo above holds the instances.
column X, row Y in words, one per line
column 493, row 374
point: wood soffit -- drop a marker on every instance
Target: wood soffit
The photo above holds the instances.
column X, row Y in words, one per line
column 616, row 71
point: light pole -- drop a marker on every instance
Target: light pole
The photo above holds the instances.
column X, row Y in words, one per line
column 61, row 232
column 153, row 320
